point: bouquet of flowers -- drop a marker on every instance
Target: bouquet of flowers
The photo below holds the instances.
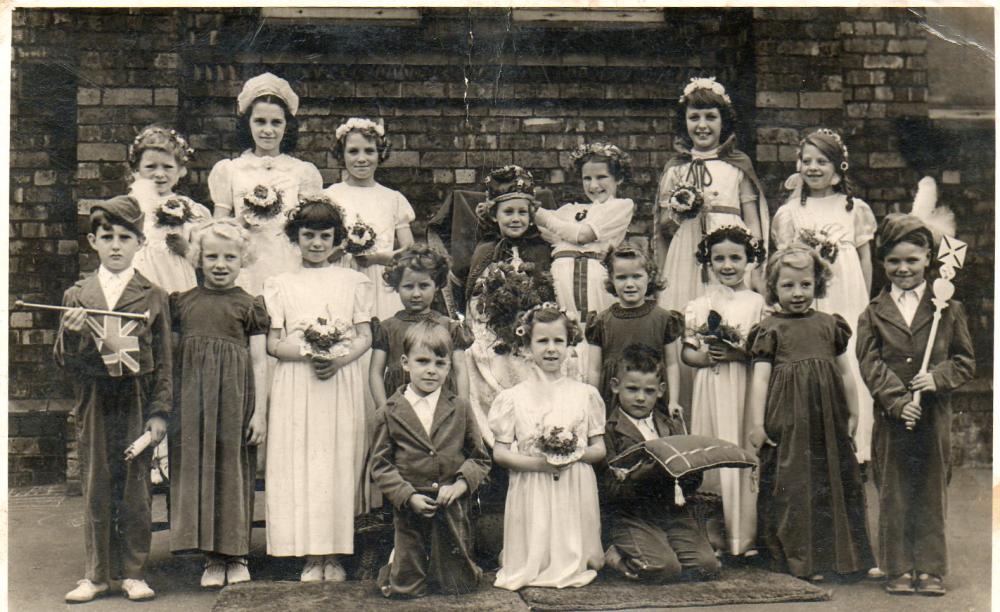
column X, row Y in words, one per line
column 822, row 240
column 685, row 201
column 507, row 289
column 714, row 330
column 559, row 445
column 174, row 212
column 360, row 238
column 325, row 339
column 260, row 204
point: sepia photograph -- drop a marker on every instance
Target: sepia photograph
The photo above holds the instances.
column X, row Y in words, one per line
column 525, row 306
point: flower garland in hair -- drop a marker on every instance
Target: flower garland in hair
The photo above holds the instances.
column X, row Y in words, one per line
column 603, row 149
column 708, row 83
column 184, row 150
column 514, row 181
column 365, row 126
column 505, row 290
column 756, row 249
column 844, row 165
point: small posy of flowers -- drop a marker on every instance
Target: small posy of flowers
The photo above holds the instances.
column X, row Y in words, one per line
column 559, row 445
column 326, row 339
column 173, row 212
column 821, row 240
column 360, row 238
column 685, row 201
column 261, row 204
column 507, row 289
column 716, row 330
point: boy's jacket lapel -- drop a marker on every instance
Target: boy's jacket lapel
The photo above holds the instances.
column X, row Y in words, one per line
column 91, row 295
column 135, row 292
column 407, row 418
column 442, row 412
column 887, row 310
column 925, row 312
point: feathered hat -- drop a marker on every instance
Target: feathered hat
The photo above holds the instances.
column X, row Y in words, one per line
column 925, row 216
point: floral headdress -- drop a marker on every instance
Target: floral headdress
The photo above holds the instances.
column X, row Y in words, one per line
column 603, row 149
column 844, row 165
column 507, row 183
column 826, row 136
column 363, row 125
column 156, row 137
column 526, row 319
column 708, row 83
column 307, row 199
column 735, row 233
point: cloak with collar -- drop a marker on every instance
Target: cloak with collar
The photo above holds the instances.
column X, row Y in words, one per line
column 78, row 353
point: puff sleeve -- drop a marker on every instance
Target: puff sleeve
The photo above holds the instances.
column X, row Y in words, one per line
column 461, row 335
column 694, row 315
column 220, row 184
column 674, row 328
column 310, row 180
column 763, row 343
column 864, row 223
column 404, row 212
column 596, row 413
column 783, row 229
column 274, row 303
column 611, row 218
column 502, row 417
column 364, row 301
column 593, row 331
column 841, row 334
column 380, row 337
column 256, row 321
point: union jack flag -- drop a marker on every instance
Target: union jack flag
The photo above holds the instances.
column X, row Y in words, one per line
column 115, row 342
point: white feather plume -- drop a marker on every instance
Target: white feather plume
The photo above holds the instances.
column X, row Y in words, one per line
column 144, row 192
column 939, row 219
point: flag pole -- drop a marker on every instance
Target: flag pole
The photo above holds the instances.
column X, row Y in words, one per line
column 95, row 311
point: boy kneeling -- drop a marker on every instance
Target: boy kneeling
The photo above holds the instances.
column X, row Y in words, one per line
column 651, row 538
column 428, row 458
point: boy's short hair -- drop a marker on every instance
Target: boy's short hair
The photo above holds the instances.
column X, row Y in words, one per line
column 431, row 335
column 121, row 210
column 639, row 358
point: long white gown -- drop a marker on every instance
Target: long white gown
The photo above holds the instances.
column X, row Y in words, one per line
column 719, row 407
column 552, row 528
column 315, row 426
column 155, row 260
column 847, row 294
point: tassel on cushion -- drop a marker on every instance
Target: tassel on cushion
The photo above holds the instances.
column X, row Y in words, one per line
column 678, row 494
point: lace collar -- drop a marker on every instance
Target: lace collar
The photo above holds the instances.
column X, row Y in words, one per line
column 620, row 312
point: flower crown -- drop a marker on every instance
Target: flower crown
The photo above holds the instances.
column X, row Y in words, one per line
column 604, row 149
column 708, row 83
column 292, row 214
column 365, row 126
column 844, row 165
column 514, row 180
column 755, row 247
column 180, row 145
column 524, row 319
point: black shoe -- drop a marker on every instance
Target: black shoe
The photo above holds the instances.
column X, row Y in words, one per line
column 900, row 585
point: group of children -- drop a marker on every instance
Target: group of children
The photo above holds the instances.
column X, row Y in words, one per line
column 396, row 402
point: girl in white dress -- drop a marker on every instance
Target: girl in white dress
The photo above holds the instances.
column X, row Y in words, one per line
column 158, row 158
column 729, row 310
column 552, row 523
column 263, row 183
column 822, row 212
column 316, row 414
column 361, row 146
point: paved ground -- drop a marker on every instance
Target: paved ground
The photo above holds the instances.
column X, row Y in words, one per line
column 46, row 559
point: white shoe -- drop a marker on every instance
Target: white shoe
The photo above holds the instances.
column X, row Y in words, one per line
column 86, row 591
column 137, row 590
column 333, row 571
column 313, row 570
column 214, row 576
column 236, row 570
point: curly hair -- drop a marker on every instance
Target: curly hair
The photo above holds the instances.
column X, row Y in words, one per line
column 158, row 138
column 730, row 233
column 703, row 99
column 547, row 313
column 631, row 252
column 381, row 143
column 316, row 212
column 833, row 148
column 226, row 228
column 419, row 257
column 799, row 257
column 244, row 137
column 619, row 162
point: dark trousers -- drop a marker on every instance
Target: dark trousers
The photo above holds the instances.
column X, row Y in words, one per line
column 115, row 492
column 436, row 551
column 663, row 543
column 911, row 471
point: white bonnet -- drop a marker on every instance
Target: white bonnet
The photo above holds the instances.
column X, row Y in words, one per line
column 266, row 84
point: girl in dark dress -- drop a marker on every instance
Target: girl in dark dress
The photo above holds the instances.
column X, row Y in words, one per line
column 811, row 503
column 221, row 415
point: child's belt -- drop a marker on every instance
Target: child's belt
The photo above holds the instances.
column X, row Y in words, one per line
column 580, row 266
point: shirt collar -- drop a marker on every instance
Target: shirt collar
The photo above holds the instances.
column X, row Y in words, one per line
column 640, row 423
column 897, row 293
column 105, row 275
column 413, row 397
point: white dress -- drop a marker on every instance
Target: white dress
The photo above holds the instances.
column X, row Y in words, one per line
column 847, row 294
column 231, row 179
column 155, row 260
column 552, row 528
column 314, row 429
column 385, row 210
column 719, row 407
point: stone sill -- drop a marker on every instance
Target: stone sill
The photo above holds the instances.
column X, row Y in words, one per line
column 35, row 406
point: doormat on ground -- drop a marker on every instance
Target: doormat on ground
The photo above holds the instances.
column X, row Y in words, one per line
column 739, row 585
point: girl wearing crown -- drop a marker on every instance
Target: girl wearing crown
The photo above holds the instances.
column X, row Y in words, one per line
column 823, row 213
column 361, row 146
column 264, row 182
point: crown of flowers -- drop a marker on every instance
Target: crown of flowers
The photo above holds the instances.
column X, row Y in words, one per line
column 365, row 126
column 604, row 149
column 708, row 83
column 507, row 177
column 180, row 145
column 524, row 319
column 520, row 177
column 305, row 199
column 754, row 246
column 844, row 165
